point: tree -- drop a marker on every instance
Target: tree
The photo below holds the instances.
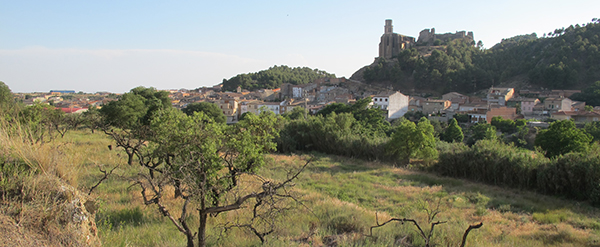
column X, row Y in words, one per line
column 135, row 108
column 334, row 107
column 593, row 129
column 6, row 97
column 39, row 122
column 591, row 95
column 453, row 133
column 482, row 131
column 209, row 109
column 412, row 141
column 7, row 101
column 589, row 108
column 461, row 118
column 562, row 137
column 372, row 119
column 127, row 119
column 505, row 125
column 274, row 77
column 205, row 162
column 92, row 118
column 296, row 113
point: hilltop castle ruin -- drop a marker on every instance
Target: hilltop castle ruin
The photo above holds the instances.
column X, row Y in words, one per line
column 392, row 43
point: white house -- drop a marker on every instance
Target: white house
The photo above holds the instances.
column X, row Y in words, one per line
column 395, row 103
column 275, row 107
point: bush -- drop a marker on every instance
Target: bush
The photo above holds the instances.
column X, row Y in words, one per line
column 574, row 175
column 338, row 134
column 491, row 162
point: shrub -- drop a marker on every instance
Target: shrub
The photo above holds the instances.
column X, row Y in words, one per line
column 491, row 162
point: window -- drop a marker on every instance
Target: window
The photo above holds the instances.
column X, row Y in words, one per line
column 386, row 100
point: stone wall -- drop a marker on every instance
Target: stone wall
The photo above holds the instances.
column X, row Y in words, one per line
column 428, row 36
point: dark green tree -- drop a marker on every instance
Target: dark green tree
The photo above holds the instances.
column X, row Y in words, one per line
column 274, row 77
column 562, row 137
column 482, row 131
column 505, row 125
column 461, row 118
column 334, row 107
column 209, row 109
column 8, row 107
column 593, row 129
column 453, row 133
column 296, row 113
column 591, row 95
column 412, row 141
column 135, row 108
column 127, row 119
column 92, row 118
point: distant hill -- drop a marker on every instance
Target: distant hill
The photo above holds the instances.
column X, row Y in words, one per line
column 567, row 58
column 274, row 77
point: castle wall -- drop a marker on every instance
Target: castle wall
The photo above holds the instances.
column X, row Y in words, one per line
column 427, row 36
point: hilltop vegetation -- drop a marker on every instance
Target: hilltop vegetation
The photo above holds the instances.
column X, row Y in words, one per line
column 567, row 58
column 273, row 78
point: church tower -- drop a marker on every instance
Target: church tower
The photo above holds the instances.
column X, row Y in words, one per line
column 392, row 43
column 388, row 27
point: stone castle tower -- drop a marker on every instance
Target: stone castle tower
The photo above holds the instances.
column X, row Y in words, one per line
column 392, row 43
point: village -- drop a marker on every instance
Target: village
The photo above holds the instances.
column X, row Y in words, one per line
column 504, row 102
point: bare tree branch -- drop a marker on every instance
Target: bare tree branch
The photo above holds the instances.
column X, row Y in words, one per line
column 106, row 174
column 471, row 227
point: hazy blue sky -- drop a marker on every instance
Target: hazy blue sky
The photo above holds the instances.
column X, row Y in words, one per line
column 117, row 45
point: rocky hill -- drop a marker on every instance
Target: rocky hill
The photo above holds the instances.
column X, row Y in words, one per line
column 567, row 58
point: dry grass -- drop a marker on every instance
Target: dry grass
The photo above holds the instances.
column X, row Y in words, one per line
column 37, row 185
column 339, row 200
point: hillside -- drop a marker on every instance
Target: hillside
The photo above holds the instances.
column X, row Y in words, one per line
column 340, row 199
column 567, row 58
column 273, row 78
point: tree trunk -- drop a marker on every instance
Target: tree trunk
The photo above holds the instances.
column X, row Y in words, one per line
column 202, row 229
column 178, row 189
column 129, row 157
column 190, row 239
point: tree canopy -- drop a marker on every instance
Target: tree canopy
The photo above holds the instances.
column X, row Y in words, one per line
column 204, row 161
column 7, row 101
column 482, row 131
column 413, row 141
column 562, row 137
column 274, row 77
column 135, row 108
column 453, row 133
column 371, row 118
column 209, row 109
column 590, row 95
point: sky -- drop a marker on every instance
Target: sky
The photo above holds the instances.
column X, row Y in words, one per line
column 114, row 46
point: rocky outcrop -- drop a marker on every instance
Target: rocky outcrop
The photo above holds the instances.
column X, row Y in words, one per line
column 53, row 214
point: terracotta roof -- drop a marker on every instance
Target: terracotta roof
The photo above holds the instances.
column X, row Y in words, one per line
column 72, row 110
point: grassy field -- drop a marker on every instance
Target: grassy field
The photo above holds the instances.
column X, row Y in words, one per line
column 339, row 200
